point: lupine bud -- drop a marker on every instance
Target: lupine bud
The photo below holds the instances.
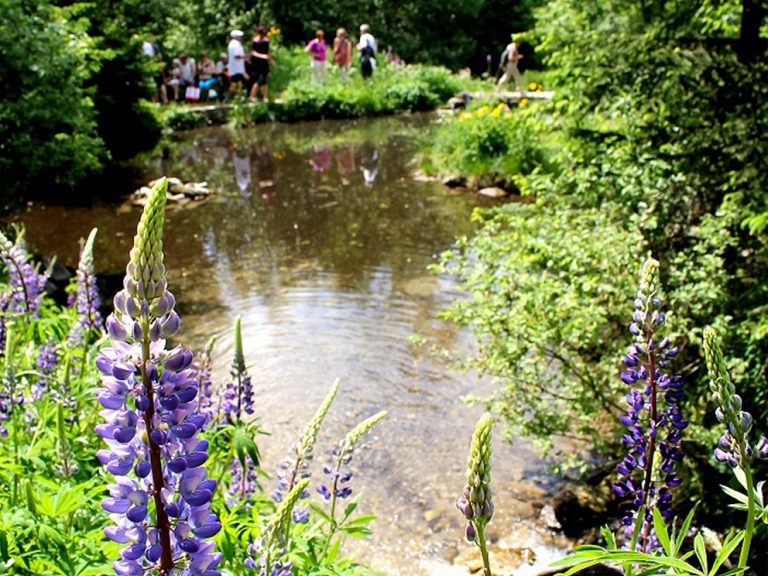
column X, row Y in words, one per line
column 296, row 464
column 734, row 447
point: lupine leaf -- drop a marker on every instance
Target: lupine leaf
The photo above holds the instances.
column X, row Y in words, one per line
column 701, row 552
column 684, row 530
column 661, row 531
column 735, row 494
column 730, row 544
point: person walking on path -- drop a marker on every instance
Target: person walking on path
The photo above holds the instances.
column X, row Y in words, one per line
column 510, row 67
column 319, row 51
column 342, row 53
column 236, row 61
column 260, row 60
column 367, row 48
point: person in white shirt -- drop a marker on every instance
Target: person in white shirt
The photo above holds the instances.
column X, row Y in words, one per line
column 367, row 48
column 510, row 67
column 236, row 60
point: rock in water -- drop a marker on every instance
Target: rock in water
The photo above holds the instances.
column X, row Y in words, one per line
column 493, row 192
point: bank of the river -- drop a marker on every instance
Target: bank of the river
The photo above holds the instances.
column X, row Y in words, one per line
column 394, row 89
column 320, row 239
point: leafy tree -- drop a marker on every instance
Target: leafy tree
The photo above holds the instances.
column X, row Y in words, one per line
column 48, row 131
column 661, row 117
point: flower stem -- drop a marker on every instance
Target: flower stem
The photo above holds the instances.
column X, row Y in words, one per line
column 750, row 526
column 163, row 525
column 483, row 549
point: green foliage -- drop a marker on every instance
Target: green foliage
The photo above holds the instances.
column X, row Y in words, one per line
column 395, row 89
column 498, row 141
column 48, row 131
column 52, row 483
column 654, row 147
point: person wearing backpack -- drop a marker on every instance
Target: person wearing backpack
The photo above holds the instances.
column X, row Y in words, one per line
column 511, row 70
column 367, row 48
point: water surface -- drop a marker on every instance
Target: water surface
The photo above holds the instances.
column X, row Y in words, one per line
column 320, row 239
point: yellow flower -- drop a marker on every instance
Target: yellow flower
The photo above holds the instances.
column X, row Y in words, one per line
column 273, row 31
column 535, row 87
column 464, row 116
column 483, row 110
column 523, row 102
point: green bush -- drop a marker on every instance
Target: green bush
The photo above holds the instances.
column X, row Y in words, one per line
column 494, row 141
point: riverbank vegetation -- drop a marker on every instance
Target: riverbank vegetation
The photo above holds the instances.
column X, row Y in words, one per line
column 79, row 87
column 412, row 88
column 656, row 150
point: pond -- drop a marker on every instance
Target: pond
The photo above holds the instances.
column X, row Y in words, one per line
column 320, row 238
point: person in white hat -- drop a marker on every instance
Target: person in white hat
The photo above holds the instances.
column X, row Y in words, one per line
column 236, row 60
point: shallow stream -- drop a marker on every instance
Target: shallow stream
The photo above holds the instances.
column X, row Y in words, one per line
column 320, row 239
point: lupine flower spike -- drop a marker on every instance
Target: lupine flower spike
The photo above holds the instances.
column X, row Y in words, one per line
column 238, row 394
column 338, row 485
column 160, row 500
column 236, row 406
column 654, row 422
column 26, row 285
column 86, row 297
column 271, row 548
column 476, row 502
column 296, row 465
column 203, row 370
column 734, row 447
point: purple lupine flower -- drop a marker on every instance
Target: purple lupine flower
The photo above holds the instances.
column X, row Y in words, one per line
column 159, row 503
column 296, row 466
column 46, row 364
column 653, row 418
column 244, row 481
column 338, row 478
column 203, row 369
column 27, row 285
column 238, row 393
column 86, row 296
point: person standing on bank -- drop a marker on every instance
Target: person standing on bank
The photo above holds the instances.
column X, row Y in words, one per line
column 236, row 61
column 260, row 61
column 319, row 51
column 342, row 53
column 510, row 67
column 367, row 48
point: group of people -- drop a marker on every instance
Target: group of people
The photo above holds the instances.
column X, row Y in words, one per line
column 342, row 54
column 188, row 78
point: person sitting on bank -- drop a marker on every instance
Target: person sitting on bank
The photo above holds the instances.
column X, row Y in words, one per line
column 206, row 72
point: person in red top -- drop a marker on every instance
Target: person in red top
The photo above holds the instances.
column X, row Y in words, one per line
column 319, row 52
column 342, row 53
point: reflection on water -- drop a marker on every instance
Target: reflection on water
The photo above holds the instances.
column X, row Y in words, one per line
column 320, row 240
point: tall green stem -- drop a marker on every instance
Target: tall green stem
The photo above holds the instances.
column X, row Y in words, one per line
column 750, row 526
column 480, row 528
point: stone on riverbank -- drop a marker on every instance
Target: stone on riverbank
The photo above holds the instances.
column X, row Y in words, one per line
column 179, row 193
